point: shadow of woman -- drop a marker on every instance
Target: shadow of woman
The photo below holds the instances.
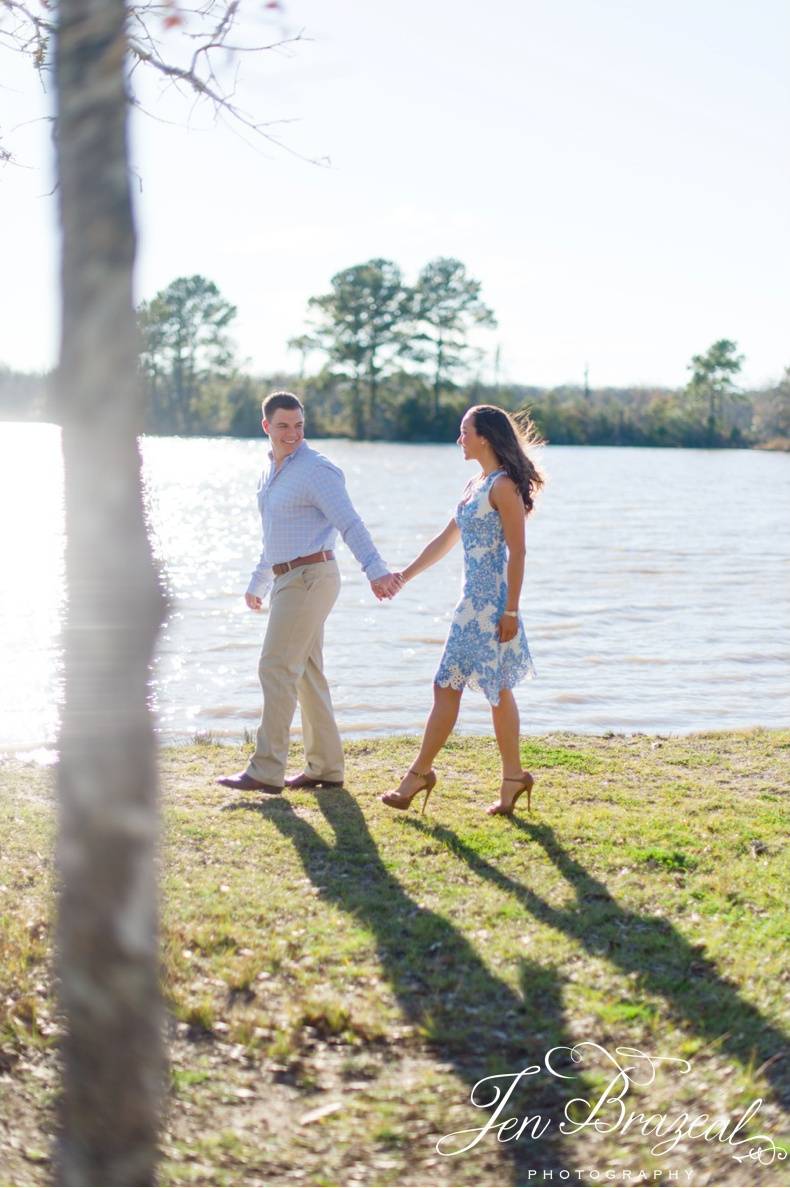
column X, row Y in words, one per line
column 471, row 1019
column 664, row 962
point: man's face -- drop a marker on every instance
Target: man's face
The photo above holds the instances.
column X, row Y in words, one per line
column 285, row 430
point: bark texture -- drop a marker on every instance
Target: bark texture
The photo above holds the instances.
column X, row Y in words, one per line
column 107, row 922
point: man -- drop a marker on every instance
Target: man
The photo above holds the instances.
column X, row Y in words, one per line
column 303, row 504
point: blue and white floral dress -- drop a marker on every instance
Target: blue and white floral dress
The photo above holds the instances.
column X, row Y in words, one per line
column 473, row 655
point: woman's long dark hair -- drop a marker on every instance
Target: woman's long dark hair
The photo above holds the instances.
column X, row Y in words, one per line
column 509, row 438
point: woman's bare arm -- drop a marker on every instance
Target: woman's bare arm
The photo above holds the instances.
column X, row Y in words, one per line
column 504, row 496
column 433, row 551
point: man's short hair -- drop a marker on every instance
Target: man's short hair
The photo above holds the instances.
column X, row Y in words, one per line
column 280, row 400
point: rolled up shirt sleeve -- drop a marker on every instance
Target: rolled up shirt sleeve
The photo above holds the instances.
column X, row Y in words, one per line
column 330, row 497
column 262, row 578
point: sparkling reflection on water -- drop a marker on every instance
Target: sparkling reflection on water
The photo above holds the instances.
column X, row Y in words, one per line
column 657, row 594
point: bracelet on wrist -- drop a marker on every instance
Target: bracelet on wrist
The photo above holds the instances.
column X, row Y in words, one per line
column 513, row 614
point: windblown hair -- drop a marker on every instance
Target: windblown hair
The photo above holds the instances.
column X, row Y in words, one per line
column 280, row 400
column 510, row 437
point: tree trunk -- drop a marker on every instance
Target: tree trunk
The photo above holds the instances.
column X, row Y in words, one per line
column 437, row 379
column 357, row 411
column 373, row 387
column 712, row 417
column 108, row 819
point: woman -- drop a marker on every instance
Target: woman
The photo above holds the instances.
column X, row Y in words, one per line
column 486, row 648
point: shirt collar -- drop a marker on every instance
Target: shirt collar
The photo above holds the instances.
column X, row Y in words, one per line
column 302, row 445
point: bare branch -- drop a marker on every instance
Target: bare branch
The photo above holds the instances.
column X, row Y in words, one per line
column 201, row 76
column 200, row 62
column 204, row 73
column 29, row 33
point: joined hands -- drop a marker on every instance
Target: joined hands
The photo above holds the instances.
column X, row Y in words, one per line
column 383, row 587
column 387, row 586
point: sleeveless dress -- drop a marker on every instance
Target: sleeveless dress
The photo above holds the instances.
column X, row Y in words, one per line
column 473, row 655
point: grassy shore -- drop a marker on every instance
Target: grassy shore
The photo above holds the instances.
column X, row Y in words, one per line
column 340, row 976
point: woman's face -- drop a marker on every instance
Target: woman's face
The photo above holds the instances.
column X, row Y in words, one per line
column 470, row 441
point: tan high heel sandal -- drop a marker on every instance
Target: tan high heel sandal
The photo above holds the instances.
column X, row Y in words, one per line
column 402, row 800
column 525, row 782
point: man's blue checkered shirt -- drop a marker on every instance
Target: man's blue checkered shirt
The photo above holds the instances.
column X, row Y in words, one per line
column 303, row 506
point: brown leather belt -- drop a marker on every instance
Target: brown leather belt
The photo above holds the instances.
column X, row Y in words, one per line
column 310, row 559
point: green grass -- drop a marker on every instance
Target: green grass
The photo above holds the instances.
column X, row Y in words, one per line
column 320, row 950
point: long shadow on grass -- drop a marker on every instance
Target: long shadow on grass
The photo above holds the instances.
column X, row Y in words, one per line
column 468, row 1017
column 665, row 963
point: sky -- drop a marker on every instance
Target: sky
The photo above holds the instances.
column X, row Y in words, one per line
column 615, row 174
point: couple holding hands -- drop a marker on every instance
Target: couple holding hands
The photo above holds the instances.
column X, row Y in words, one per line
column 304, row 504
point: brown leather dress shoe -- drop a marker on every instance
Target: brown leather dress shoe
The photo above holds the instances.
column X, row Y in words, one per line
column 245, row 783
column 303, row 780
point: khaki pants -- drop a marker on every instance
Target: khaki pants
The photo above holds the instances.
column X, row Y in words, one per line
column 291, row 667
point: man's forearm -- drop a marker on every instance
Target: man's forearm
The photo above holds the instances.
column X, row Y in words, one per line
column 331, row 497
column 261, row 578
column 359, row 540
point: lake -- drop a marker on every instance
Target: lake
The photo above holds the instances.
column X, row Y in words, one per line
column 656, row 597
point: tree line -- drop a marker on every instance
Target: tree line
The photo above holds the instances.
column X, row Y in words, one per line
column 370, row 328
column 397, row 362
column 394, row 357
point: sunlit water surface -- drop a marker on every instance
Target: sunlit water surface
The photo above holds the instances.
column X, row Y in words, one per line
column 657, row 592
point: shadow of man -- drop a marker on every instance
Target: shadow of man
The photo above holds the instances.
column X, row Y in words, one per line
column 471, row 1019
